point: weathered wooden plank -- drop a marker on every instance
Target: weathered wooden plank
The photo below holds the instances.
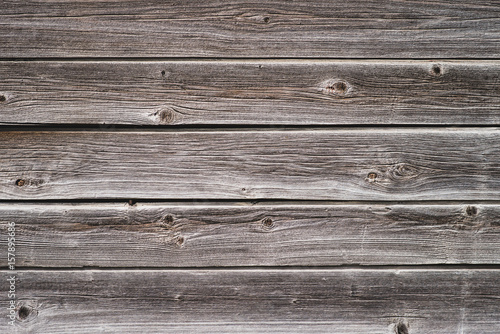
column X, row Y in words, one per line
column 282, row 301
column 207, row 235
column 250, row 92
column 342, row 164
column 240, row 28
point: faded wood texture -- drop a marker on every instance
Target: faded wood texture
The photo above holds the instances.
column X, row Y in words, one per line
column 280, row 301
column 207, row 235
column 239, row 28
column 250, row 92
column 349, row 164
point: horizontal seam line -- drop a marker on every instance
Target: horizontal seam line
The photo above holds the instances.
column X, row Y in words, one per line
column 236, row 202
column 71, row 127
column 180, row 59
column 426, row 267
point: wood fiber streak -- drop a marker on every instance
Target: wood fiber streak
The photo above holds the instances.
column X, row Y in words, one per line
column 240, row 28
column 281, row 301
column 198, row 235
column 350, row 164
column 250, row 92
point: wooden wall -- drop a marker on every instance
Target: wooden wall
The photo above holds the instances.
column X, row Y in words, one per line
column 250, row 167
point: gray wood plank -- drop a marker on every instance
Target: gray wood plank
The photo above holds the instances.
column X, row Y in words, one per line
column 250, row 92
column 240, row 28
column 279, row 301
column 213, row 235
column 341, row 164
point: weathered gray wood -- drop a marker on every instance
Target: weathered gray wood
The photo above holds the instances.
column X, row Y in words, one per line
column 208, row 235
column 250, row 92
column 343, row 164
column 280, row 301
column 239, row 28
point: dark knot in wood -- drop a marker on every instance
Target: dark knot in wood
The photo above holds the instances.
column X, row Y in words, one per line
column 336, row 87
column 165, row 116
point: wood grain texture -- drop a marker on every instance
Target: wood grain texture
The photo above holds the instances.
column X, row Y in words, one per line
column 342, row 164
column 207, row 235
column 241, row 28
column 250, row 92
column 281, row 301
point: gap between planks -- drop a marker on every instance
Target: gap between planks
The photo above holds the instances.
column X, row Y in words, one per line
column 253, row 60
column 332, row 268
column 350, row 301
column 356, row 128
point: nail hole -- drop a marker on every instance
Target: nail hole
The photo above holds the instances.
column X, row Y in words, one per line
column 162, row 72
column 401, row 328
column 436, row 69
column 471, row 210
column 266, row 19
column 23, row 312
column 20, row 182
column 3, row 98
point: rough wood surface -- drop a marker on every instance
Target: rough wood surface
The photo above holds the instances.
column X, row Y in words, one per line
column 208, row 235
column 119, row 260
column 241, row 28
column 250, row 92
column 342, row 164
column 284, row 301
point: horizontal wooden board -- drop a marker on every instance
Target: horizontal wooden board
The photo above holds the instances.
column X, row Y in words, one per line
column 342, row 164
column 250, row 92
column 241, row 28
column 279, row 301
column 213, row 235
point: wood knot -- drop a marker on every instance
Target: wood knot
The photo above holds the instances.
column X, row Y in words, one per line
column 165, row 116
column 471, row 210
column 372, row 177
column 267, row 223
column 23, row 312
column 179, row 241
column 165, row 75
column 3, row 98
column 167, row 221
column 401, row 328
column 336, row 87
column 253, row 18
column 436, row 70
column 29, row 182
column 26, row 312
column 403, row 171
